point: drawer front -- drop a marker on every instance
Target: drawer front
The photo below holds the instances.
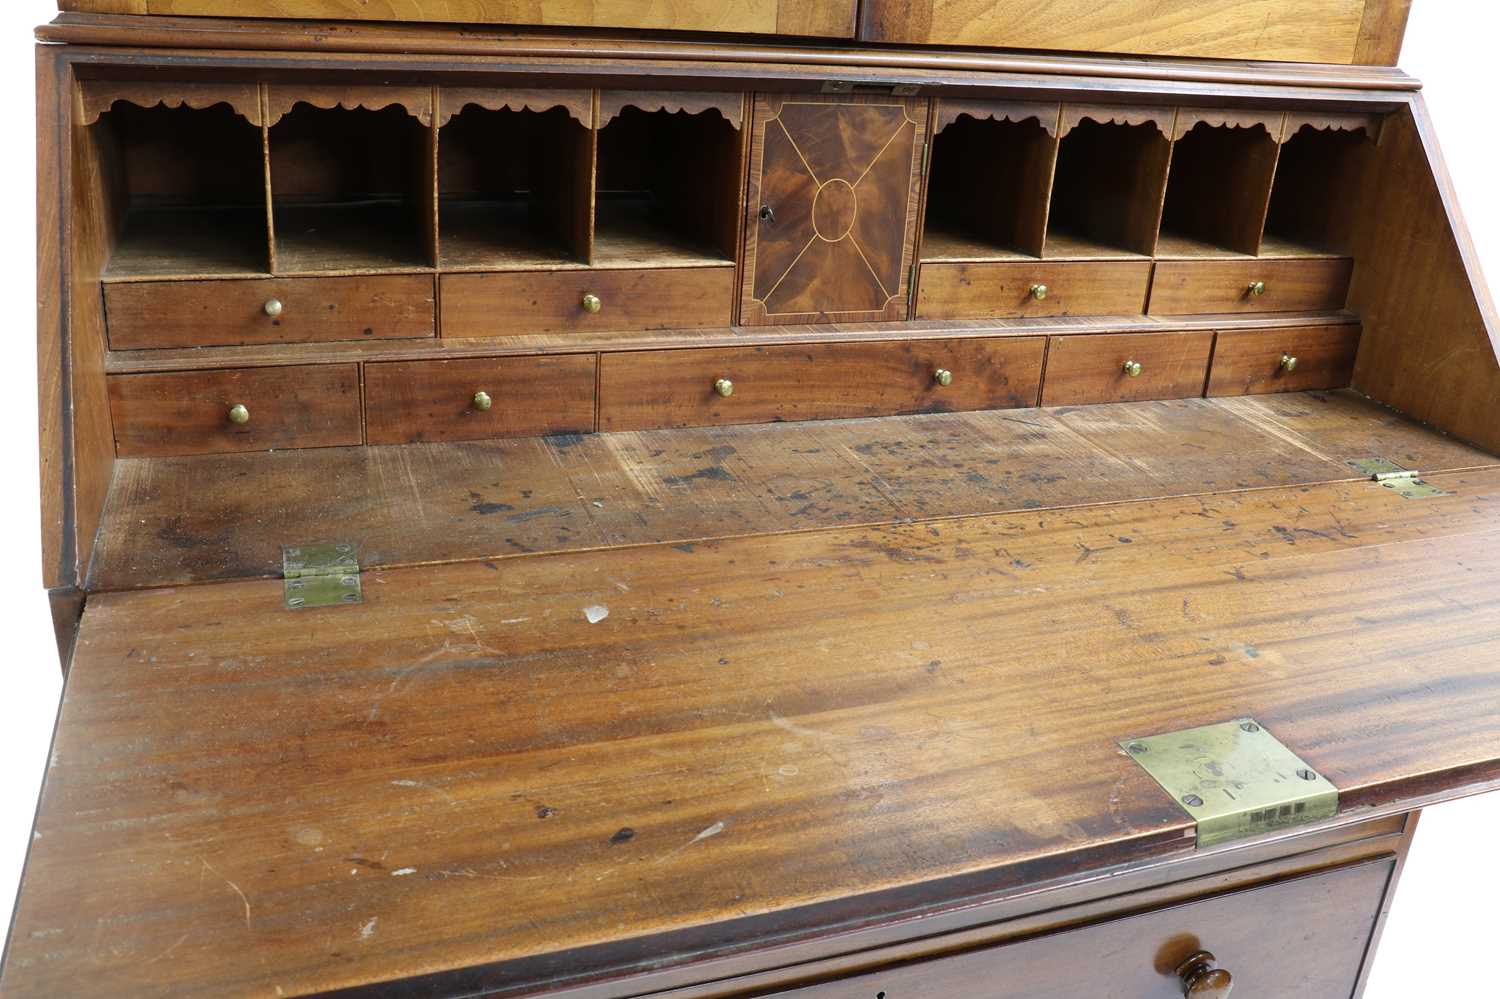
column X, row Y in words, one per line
column 1254, row 362
column 676, row 388
column 1189, row 287
column 1089, row 369
column 275, row 310
column 1004, row 288
column 439, row 400
column 189, row 412
column 482, row 305
column 1303, row 938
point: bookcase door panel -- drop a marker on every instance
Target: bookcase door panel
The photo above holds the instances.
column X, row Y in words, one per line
column 831, row 209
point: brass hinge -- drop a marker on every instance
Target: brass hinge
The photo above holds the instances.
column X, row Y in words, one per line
column 321, row 575
column 1235, row 779
column 1406, row 482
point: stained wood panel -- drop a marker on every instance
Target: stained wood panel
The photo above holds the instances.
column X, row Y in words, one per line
column 1144, row 949
column 832, row 208
column 812, row 722
column 830, row 18
column 435, row 400
column 187, row 412
column 1338, row 31
column 487, row 305
column 1183, row 287
column 657, row 389
column 1003, row 288
column 1248, row 363
column 210, row 313
column 503, row 498
column 1082, row 370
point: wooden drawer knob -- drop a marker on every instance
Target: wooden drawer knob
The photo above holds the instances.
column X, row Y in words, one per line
column 592, row 303
column 1133, row 369
column 1039, row 291
column 1257, row 289
column 943, row 377
column 1202, row 980
column 274, row 308
column 1288, row 363
column 724, row 387
column 239, row 415
column 483, row 402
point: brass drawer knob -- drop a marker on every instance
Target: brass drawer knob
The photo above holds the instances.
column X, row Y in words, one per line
column 1257, row 289
column 592, row 303
column 1201, row 980
column 1132, row 369
column 274, row 308
column 1288, row 363
column 483, row 402
column 724, row 387
column 943, row 377
column 239, row 415
column 1039, row 291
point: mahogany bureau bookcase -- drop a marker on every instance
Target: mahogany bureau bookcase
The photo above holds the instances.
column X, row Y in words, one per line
column 825, row 499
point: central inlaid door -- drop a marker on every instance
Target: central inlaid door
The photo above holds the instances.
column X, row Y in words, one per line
column 832, row 208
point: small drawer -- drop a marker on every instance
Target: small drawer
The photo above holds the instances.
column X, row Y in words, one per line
column 685, row 388
column 246, row 409
column 274, row 310
column 1191, row 287
column 1255, row 362
column 1125, row 367
column 1301, row 938
column 996, row 289
column 478, row 398
column 576, row 301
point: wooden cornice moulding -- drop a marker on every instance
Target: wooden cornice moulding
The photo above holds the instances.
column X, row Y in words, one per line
column 415, row 101
column 949, row 110
column 1332, row 121
column 730, row 106
column 1190, row 118
column 578, row 103
column 101, row 95
column 1113, row 114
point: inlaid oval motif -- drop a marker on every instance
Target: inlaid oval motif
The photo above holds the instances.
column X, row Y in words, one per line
column 834, row 210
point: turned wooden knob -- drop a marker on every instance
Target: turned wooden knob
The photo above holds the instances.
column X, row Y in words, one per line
column 943, row 377
column 1133, row 369
column 1288, row 363
column 724, row 387
column 592, row 303
column 1257, row 289
column 239, row 415
column 1202, row 980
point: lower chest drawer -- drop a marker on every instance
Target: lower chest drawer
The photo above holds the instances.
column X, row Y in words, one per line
column 574, row 301
column 998, row 289
column 273, row 310
column 1303, row 938
column 685, row 388
column 247, row 409
column 1253, row 362
column 1187, row 287
column 477, row 398
column 1126, row 367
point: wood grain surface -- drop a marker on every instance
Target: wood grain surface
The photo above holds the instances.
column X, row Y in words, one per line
column 188, row 412
column 497, row 499
column 320, row 798
column 221, row 313
column 1091, row 369
column 980, row 290
column 1246, row 363
column 488, row 305
column 1221, row 286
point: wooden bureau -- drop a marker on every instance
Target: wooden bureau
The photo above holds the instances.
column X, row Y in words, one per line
column 829, row 500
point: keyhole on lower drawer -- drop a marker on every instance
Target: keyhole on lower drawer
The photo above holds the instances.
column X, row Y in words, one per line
column 767, row 214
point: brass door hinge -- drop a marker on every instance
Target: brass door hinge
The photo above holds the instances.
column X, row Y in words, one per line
column 321, row 575
column 1405, row 482
column 1235, row 779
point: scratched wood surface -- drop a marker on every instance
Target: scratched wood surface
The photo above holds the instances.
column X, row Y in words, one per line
column 444, row 502
column 585, row 749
